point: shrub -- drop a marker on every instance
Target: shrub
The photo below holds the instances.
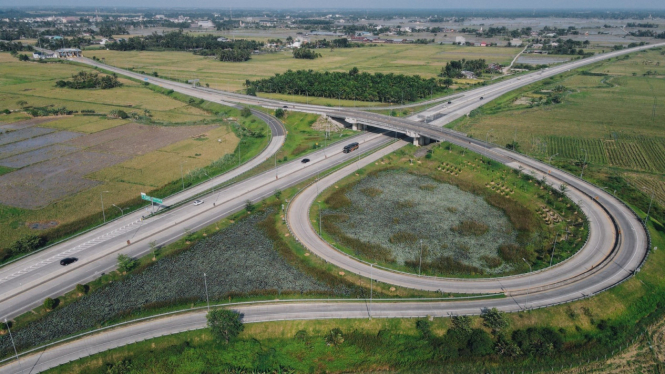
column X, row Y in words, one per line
column 246, row 112
column 225, row 324
column 126, row 263
column 480, row 343
column 49, row 303
column 249, row 206
column 335, row 337
column 403, row 237
column 494, row 319
column 81, row 288
column 279, row 113
column 514, row 253
column 27, row 244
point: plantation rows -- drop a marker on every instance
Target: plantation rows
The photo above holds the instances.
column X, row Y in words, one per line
column 630, row 152
column 572, row 148
column 648, row 184
column 237, row 260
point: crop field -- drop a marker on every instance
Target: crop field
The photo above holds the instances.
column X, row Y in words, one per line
column 125, row 158
column 617, row 116
column 34, row 83
column 399, row 212
column 424, row 60
column 649, row 184
column 238, row 260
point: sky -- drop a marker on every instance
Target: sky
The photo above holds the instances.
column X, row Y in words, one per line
column 359, row 4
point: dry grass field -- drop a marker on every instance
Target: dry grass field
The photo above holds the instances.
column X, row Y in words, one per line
column 424, row 60
column 53, row 169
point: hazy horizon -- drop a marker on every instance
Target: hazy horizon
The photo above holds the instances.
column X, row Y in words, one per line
column 350, row 4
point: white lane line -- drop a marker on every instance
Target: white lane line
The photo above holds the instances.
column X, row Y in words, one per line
column 110, row 235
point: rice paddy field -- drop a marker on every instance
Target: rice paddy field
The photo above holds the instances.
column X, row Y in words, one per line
column 424, row 60
column 612, row 114
column 53, row 169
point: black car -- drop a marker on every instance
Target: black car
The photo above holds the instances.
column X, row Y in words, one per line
column 450, row 102
column 285, row 106
column 305, row 160
column 481, row 98
column 68, row 260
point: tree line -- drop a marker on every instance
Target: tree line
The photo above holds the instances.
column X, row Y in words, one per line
column 352, row 85
column 237, row 50
column 84, row 80
column 305, row 53
column 453, row 69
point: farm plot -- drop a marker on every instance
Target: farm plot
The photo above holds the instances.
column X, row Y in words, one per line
column 38, row 155
column 40, row 184
column 238, row 260
column 34, row 143
column 22, row 134
column 647, row 184
column 143, row 139
column 391, row 212
column 574, row 148
column 25, row 123
column 627, row 155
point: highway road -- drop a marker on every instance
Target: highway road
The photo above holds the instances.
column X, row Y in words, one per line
column 616, row 248
column 26, row 283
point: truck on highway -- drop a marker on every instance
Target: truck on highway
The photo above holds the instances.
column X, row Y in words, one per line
column 351, row 147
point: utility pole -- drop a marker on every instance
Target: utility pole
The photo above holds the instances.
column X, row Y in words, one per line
column 14, row 345
column 205, row 283
column 528, row 289
column 584, row 163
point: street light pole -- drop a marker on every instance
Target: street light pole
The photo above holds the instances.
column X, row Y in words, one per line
column 205, row 282
column 101, row 196
column 646, row 219
column 527, row 290
column 122, row 211
column 420, row 265
column 554, row 247
column 371, row 287
column 319, row 219
column 552, row 157
column 182, row 178
column 14, row 345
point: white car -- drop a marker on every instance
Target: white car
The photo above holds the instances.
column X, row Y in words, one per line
column 198, row 202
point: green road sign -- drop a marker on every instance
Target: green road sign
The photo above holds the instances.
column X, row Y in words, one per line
column 152, row 199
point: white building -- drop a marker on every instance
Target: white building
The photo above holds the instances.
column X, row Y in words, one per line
column 205, row 24
column 460, row 40
column 516, row 42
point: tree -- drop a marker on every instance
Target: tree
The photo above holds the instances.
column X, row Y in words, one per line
column 225, row 324
column 246, row 112
column 49, row 303
column 335, row 337
column 126, row 263
column 249, row 207
column 279, row 113
column 462, row 323
column 563, row 188
column 27, row 244
column 480, row 343
column 494, row 319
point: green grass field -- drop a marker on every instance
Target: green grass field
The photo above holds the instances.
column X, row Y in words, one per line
column 424, row 60
column 614, row 120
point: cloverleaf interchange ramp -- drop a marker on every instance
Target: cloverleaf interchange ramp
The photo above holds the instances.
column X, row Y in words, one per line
column 617, row 246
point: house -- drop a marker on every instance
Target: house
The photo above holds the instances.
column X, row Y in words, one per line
column 554, row 44
column 483, row 44
column 551, row 35
column 537, row 46
column 460, row 40
column 516, row 42
column 205, row 24
column 468, row 74
column 43, row 55
column 222, row 39
column 68, row 52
